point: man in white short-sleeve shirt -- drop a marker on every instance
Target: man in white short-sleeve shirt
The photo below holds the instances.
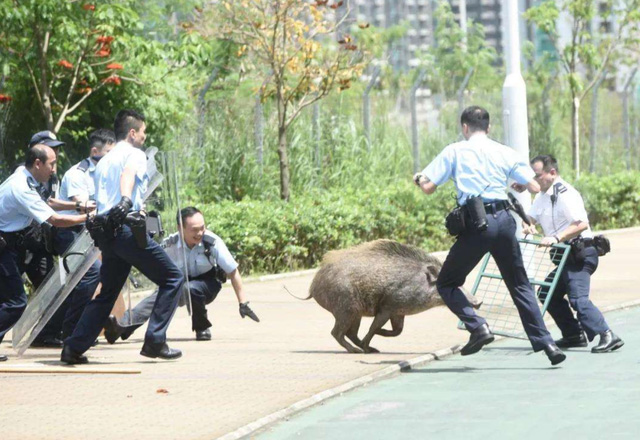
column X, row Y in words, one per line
column 559, row 210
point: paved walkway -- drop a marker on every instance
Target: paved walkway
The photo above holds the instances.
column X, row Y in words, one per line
column 248, row 370
column 503, row 392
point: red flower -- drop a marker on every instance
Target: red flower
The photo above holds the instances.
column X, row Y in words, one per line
column 103, row 53
column 66, row 64
column 89, row 7
column 105, row 39
column 5, row 98
column 113, row 79
column 115, row 66
column 83, row 91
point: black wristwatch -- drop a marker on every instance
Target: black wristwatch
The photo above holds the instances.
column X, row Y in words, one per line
column 78, row 206
column 417, row 179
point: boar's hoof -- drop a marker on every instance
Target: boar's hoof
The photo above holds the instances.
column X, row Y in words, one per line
column 371, row 350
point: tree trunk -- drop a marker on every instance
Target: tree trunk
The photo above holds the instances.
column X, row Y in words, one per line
column 284, row 162
column 575, row 134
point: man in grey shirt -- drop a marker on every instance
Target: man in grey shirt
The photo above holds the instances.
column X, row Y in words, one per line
column 209, row 263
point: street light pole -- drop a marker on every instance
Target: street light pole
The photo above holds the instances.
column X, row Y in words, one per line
column 514, row 92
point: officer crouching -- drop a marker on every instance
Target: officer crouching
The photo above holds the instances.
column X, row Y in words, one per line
column 209, row 264
column 20, row 204
column 120, row 183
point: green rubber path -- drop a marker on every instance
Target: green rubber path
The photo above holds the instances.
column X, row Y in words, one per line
column 504, row 392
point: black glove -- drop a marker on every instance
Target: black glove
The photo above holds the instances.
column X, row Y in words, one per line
column 118, row 213
column 245, row 310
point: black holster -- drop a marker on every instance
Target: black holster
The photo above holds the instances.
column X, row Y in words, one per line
column 137, row 221
column 455, row 222
column 477, row 214
column 38, row 238
column 100, row 229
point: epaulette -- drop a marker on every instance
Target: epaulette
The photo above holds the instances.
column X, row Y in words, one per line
column 560, row 188
column 171, row 240
column 84, row 165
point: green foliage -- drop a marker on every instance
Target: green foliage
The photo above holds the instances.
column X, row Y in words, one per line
column 612, row 201
column 450, row 60
column 272, row 236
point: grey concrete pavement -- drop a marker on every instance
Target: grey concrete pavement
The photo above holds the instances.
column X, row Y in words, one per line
column 248, row 370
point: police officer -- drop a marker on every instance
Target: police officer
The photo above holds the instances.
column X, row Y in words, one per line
column 207, row 259
column 20, row 204
column 41, row 241
column 77, row 189
column 559, row 209
column 481, row 167
column 120, row 182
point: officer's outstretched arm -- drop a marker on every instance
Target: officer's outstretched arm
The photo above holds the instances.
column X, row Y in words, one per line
column 65, row 221
column 533, row 187
column 236, row 282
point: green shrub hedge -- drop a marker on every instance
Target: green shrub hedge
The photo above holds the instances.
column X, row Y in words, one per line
column 273, row 236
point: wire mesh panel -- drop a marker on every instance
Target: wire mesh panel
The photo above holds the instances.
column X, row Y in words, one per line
column 543, row 266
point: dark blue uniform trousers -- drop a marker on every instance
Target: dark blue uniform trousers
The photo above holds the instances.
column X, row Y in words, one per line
column 499, row 239
column 68, row 315
column 13, row 299
column 575, row 282
column 118, row 255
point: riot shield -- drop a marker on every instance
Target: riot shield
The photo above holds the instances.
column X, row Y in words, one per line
column 173, row 205
column 57, row 285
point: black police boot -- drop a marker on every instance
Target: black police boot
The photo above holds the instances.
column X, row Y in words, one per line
column 574, row 341
column 608, row 342
column 161, row 351
column 70, row 357
column 112, row 330
column 554, row 354
column 478, row 339
column 3, row 358
column 47, row 342
column 203, row 335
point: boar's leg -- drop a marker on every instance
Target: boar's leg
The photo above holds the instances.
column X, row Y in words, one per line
column 344, row 321
column 380, row 319
column 397, row 324
column 352, row 333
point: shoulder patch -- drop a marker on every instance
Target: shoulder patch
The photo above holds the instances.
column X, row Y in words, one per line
column 560, row 187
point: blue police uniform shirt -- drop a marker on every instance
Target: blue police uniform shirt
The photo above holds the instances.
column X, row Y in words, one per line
column 78, row 183
column 479, row 166
column 107, row 176
column 197, row 260
column 20, row 203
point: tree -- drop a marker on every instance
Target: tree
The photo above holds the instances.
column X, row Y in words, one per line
column 587, row 53
column 455, row 55
column 65, row 49
column 289, row 47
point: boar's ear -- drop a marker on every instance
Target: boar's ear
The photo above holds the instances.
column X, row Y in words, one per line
column 432, row 274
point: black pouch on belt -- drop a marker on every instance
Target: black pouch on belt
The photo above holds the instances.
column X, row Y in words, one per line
column 454, row 222
column 3, row 244
column 477, row 213
column 602, row 245
column 137, row 221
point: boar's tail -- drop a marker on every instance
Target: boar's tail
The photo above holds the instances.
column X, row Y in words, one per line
column 296, row 297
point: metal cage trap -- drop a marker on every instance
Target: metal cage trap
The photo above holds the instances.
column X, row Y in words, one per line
column 543, row 265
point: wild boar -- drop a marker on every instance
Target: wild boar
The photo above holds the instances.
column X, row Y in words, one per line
column 384, row 279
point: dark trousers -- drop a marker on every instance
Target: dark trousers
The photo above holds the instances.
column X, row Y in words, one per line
column 204, row 290
column 575, row 283
column 13, row 299
column 499, row 239
column 68, row 314
column 118, row 255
